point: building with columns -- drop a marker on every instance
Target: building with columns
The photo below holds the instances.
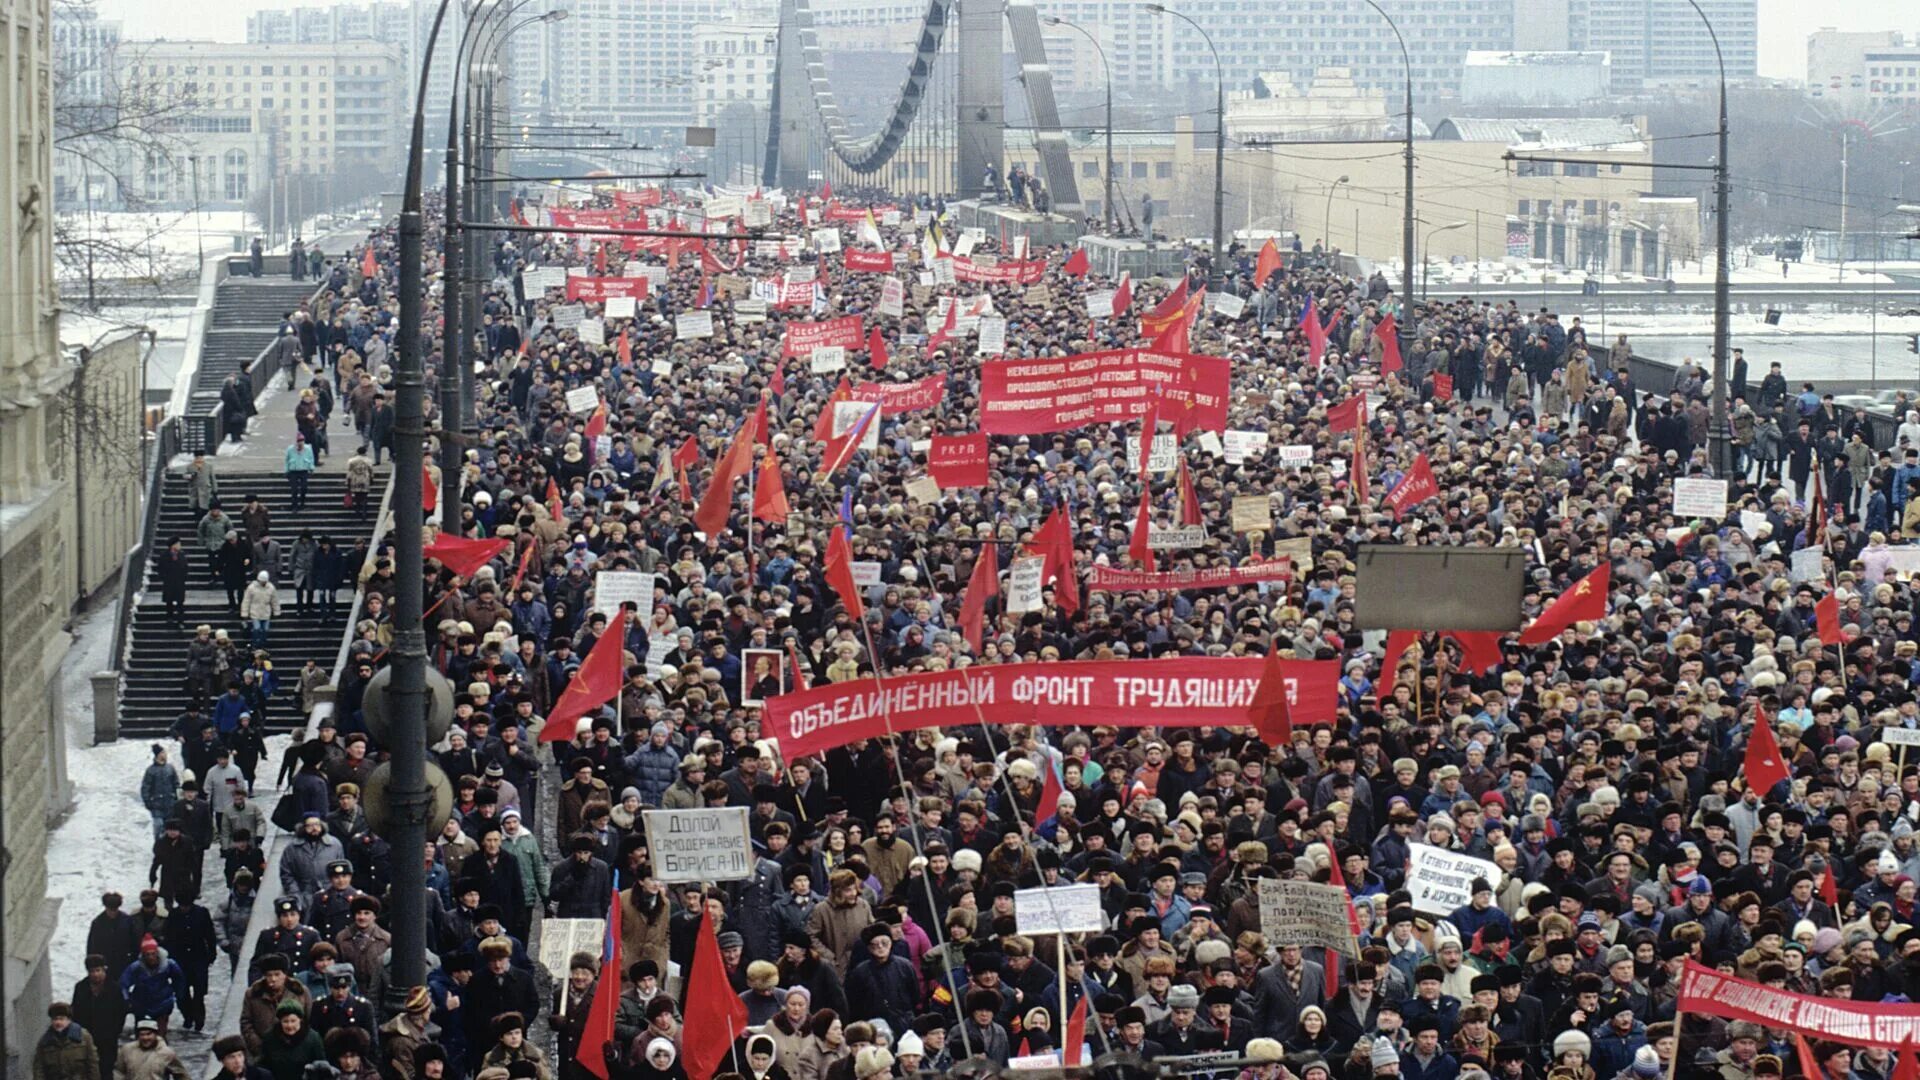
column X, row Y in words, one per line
column 35, row 594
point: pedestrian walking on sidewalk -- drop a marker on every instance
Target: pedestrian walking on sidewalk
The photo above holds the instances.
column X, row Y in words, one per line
column 260, row 606
column 299, row 471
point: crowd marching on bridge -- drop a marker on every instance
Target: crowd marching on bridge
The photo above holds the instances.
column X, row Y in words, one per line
column 1690, row 763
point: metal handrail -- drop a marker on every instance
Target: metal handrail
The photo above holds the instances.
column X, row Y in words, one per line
column 133, row 572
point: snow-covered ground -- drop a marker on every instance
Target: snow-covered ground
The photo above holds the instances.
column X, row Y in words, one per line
column 1744, row 272
column 106, row 842
column 1792, row 323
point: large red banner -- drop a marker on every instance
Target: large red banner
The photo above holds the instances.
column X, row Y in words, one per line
column 596, row 290
column 836, row 212
column 1175, row 692
column 896, row 398
column 804, row 337
column 868, row 262
column 644, row 197
column 1115, row 579
column 958, row 461
column 1038, row 396
column 1006, row 273
column 1704, row 991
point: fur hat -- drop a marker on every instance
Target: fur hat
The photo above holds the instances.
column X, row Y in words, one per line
column 762, row 976
column 508, row 1021
column 872, row 1061
column 1571, row 1042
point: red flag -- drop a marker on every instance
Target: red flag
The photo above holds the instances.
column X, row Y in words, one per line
column 1338, row 878
column 1908, row 1067
column 556, row 507
column 842, row 447
column 593, row 685
column 1268, row 262
column 941, row 335
column 778, row 384
column 1398, row 642
column 1349, row 415
column 1479, row 649
column 823, row 425
column 1414, row 488
column 770, row 494
column 526, row 560
column 592, row 1055
column 1585, row 602
column 1141, row 549
column 429, row 491
column 826, row 191
column 711, row 516
column 462, row 556
column 1123, row 296
column 1316, row 333
column 1165, row 313
column 597, row 423
column 1809, row 1067
column 1830, row 890
column 1050, row 791
column 687, row 454
column 600, row 259
column 1077, row 264
column 839, row 569
column 982, row 585
column 1054, row 540
column 1826, row 615
column 800, row 680
column 722, row 1016
column 877, row 349
column 1765, row 766
column 1076, row 1040
column 1189, row 498
column 368, row 265
column 1389, row 334
column 1271, row 712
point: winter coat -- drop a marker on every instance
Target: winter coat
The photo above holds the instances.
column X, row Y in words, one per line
column 151, row 990
column 103, row 1012
column 260, row 601
column 202, row 486
column 287, row 1059
column 159, row 788
column 816, row 1057
column 643, row 936
column 835, row 930
column 303, row 866
column 653, row 769
column 525, row 849
column 68, row 1055
column 258, row 1013
column 579, row 890
column 159, row 1063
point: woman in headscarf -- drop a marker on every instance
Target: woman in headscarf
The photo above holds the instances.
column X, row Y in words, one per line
column 789, row 1029
column 660, row 1060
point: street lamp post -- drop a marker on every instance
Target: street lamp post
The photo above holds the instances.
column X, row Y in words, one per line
column 1326, row 226
column 1219, row 270
column 1723, row 264
column 407, row 794
column 1113, row 221
column 1406, row 220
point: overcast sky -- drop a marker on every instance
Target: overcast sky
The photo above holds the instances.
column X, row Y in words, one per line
column 1784, row 24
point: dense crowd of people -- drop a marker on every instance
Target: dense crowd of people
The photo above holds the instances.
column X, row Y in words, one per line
column 875, row 935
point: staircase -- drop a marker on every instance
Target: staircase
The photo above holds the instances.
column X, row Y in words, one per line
column 153, row 691
column 245, row 318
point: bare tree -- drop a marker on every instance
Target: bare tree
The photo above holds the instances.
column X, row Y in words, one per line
column 113, row 122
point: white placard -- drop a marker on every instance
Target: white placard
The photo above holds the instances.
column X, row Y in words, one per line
column 1063, row 909
column 865, row 574
column 925, row 278
column 1441, row 880
column 1210, row 444
column 942, row 271
column 611, row 588
column 569, row 316
column 689, row 325
column 1699, row 496
column 547, row 277
column 1176, row 537
column 993, row 335
column 582, row 400
column 846, row 416
column 656, row 275
column 593, row 331
column 1750, row 522
column 1228, row 305
column 1252, row 512
column 711, row 844
column 1900, row 736
column 1100, row 304
column 1306, row 913
column 724, row 206
column 758, row 214
column 827, row 359
column 1903, row 560
column 561, row 938
column 750, row 311
column 889, row 217
column 965, row 245
column 801, row 275
column 893, row 298
column 661, row 367
column 1024, row 582
column 1807, row 565
column 622, row 307
column 923, row 490
column 1166, row 452
column 1295, row 456
column 921, row 218
column 1241, row 445
column 826, row 239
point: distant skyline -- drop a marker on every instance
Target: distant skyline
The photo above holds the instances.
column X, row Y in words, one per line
column 1784, row 24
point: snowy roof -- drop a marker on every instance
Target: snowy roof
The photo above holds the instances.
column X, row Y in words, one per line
column 1543, row 133
column 1490, row 58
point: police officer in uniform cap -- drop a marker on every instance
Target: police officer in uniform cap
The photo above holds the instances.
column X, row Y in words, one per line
column 332, row 907
column 288, row 936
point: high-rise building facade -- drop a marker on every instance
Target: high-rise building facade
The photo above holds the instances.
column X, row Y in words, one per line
column 630, row 64
column 1652, row 43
